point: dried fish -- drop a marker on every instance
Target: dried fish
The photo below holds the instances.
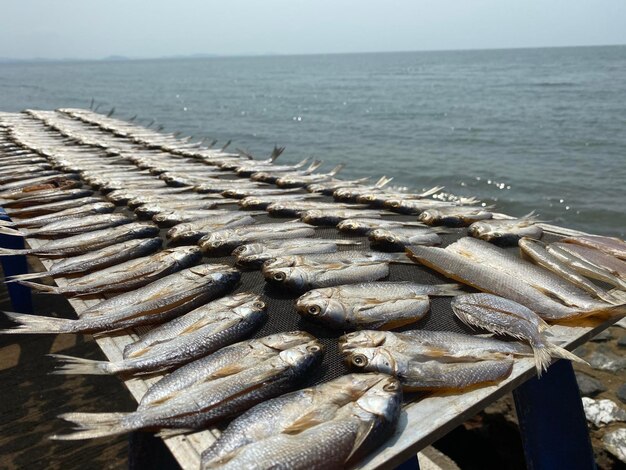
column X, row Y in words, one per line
column 416, row 375
column 592, row 263
column 355, row 429
column 536, row 251
column 229, row 239
column 295, row 181
column 381, row 305
column 102, row 258
column 52, row 207
column 491, row 269
column 74, row 225
column 505, row 317
column 253, row 255
column 193, row 231
column 610, row 245
column 205, row 402
column 443, row 346
column 128, row 275
column 363, row 226
column 506, row 231
column 161, row 300
column 197, row 333
column 225, row 361
column 398, row 238
column 295, row 208
column 332, row 216
column 97, row 206
column 454, row 216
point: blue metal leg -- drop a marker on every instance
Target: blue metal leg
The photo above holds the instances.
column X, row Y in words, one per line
column 411, row 464
column 552, row 421
column 20, row 295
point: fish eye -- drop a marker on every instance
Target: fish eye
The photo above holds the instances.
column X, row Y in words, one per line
column 279, row 276
column 314, row 310
column 394, row 203
column 390, row 387
column 315, row 348
column 359, row 360
column 390, row 239
column 258, row 304
column 239, row 250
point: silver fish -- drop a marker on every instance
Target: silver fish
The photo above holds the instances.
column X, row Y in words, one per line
column 39, row 180
column 97, row 206
column 338, row 442
column 340, row 258
column 128, row 275
column 506, row 231
column 289, row 413
column 295, row 181
column 431, row 375
column 296, row 208
column 170, row 218
column 251, row 192
column 363, row 226
column 102, row 258
column 262, row 202
column 52, row 207
column 44, row 194
column 455, row 216
column 333, row 216
column 381, row 305
column 505, row 317
column 380, row 197
column 536, row 251
column 151, row 209
column 18, row 176
column 206, row 402
column 417, row 206
column 225, row 361
column 74, row 225
column 253, row 255
column 329, row 187
column 592, row 263
column 229, row 239
column 443, row 346
column 610, row 245
column 491, row 269
column 197, row 333
column 161, row 300
column 193, row 231
column 400, row 237
column 268, row 176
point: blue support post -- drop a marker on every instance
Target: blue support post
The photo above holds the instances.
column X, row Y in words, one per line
column 552, row 421
column 20, row 295
column 411, row 464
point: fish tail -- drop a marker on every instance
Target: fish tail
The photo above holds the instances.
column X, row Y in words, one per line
column 562, row 353
column 14, row 252
column 11, row 232
column 448, row 290
column 40, row 287
column 36, row 324
column 71, row 365
column 400, row 258
column 24, row 277
column 91, row 425
column 544, row 353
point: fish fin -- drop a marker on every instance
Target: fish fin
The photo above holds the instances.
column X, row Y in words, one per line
column 362, row 434
column 431, row 191
column 447, row 290
column 71, row 365
column 308, row 420
column 31, row 324
column 544, row 353
column 14, row 252
column 11, row 232
column 24, row 277
column 138, row 352
column 226, row 371
column 337, row 169
column 167, row 433
column 398, row 258
column 91, row 425
column 562, row 353
column 40, row 287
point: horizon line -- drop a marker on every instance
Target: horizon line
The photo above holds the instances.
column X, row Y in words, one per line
column 209, row 55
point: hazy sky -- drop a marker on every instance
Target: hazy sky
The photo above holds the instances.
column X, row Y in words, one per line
column 152, row 28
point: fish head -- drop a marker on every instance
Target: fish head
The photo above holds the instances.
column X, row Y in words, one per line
column 372, row 360
column 294, row 278
column 317, row 306
column 352, row 225
column 248, row 249
column 394, row 203
column 382, row 235
column 250, row 201
column 483, row 230
column 180, row 231
column 220, row 240
column 312, row 216
column 354, row 385
column 429, row 216
column 221, row 273
column 361, row 339
column 252, row 308
column 282, row 262
column 143, row 229
column 186, row 254
column 303, row 356
column 286, row 340
column 383, row 400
